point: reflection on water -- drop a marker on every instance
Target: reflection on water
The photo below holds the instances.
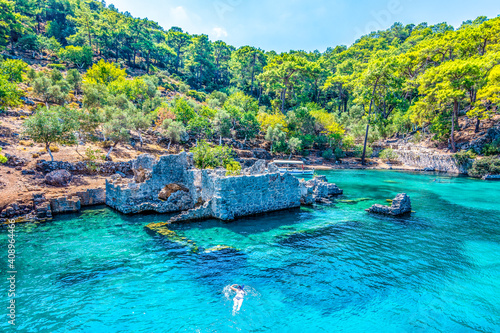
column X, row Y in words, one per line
column 331, row 268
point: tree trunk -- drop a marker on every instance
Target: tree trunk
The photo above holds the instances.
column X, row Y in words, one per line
column 283, row 96
column 169, row 143
column 110, row 150
column 47, row 147
column 478, row 125
column 453, row 117
column 220, row 140
column 368, row 124
column 140, row 138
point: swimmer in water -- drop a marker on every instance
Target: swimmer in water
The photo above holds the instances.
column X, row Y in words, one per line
column 238, row 299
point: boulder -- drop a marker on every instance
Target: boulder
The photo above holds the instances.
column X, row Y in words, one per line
column 400, row 205
column 170, row 189
column 59, row 178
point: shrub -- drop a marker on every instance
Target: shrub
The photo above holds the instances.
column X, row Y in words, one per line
column 233, row 168
column 339, row 153
column 491, row 148
column 199, row 96
column 79, row 56
column 358, row 151
column 26, row 143
column 388, row 154
column 327, row 154
column 91, row 156
column 465, row 158
column 57, row 66
column 207, row 157
column 3, row 159
column 485, row 166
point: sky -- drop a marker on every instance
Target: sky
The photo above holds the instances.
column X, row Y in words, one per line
column 283, row 25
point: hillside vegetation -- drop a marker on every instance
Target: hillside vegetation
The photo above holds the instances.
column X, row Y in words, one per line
column 97, row 74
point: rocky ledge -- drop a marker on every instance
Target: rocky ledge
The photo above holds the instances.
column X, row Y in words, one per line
column 400, row 205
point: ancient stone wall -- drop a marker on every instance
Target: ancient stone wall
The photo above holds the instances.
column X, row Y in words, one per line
column 248, row 195
column 136, row 197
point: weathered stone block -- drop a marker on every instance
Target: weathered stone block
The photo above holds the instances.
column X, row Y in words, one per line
column 65, row 205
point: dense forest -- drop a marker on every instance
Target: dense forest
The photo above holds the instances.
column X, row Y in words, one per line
column 110, row 74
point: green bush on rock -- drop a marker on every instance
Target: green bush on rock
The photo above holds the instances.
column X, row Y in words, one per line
column 388, row 154
column 207, row 157
column 485, row 166
column 3, row 159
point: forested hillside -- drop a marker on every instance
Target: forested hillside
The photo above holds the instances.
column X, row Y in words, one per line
column 99, row 74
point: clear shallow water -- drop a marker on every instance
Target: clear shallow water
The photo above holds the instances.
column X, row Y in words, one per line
column 325, row 269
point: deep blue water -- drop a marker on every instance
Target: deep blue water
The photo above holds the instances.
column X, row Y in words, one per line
column 323, row 269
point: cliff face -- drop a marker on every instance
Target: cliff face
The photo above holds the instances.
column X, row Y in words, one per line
column 428, row 160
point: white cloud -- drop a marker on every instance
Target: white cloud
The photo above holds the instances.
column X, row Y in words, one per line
column 219, row 32
column 179, row 17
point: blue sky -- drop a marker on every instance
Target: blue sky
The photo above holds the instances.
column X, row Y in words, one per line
column 299, row 24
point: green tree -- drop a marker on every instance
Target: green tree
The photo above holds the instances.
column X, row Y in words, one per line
column 222, row 124
column 173, row 130
column 282, row 73
column 50, row 126
column 79, row 56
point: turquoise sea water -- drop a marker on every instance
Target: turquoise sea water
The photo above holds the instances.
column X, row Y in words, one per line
column 325, row 269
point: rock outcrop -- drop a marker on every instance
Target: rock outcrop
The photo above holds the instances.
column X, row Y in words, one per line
column 59, row 178
column 428, row 160
column 400, row 205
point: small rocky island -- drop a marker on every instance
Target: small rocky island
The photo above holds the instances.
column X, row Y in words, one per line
column 172, row 184
column 401, row 205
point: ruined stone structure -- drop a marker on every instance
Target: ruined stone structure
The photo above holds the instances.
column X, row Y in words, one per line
column 400, row 205
column 151, row 177
column 172, row 184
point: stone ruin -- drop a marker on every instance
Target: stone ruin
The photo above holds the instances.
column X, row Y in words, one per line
column 401, row 205
column 172, row 184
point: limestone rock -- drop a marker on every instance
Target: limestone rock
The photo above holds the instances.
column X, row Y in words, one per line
column 170, row 189
column 59, row 178
column 400, row 205
column 258, row 168
column 321, row 189
column 272, row 168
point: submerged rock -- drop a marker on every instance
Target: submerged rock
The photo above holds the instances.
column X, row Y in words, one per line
column 400, row 205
